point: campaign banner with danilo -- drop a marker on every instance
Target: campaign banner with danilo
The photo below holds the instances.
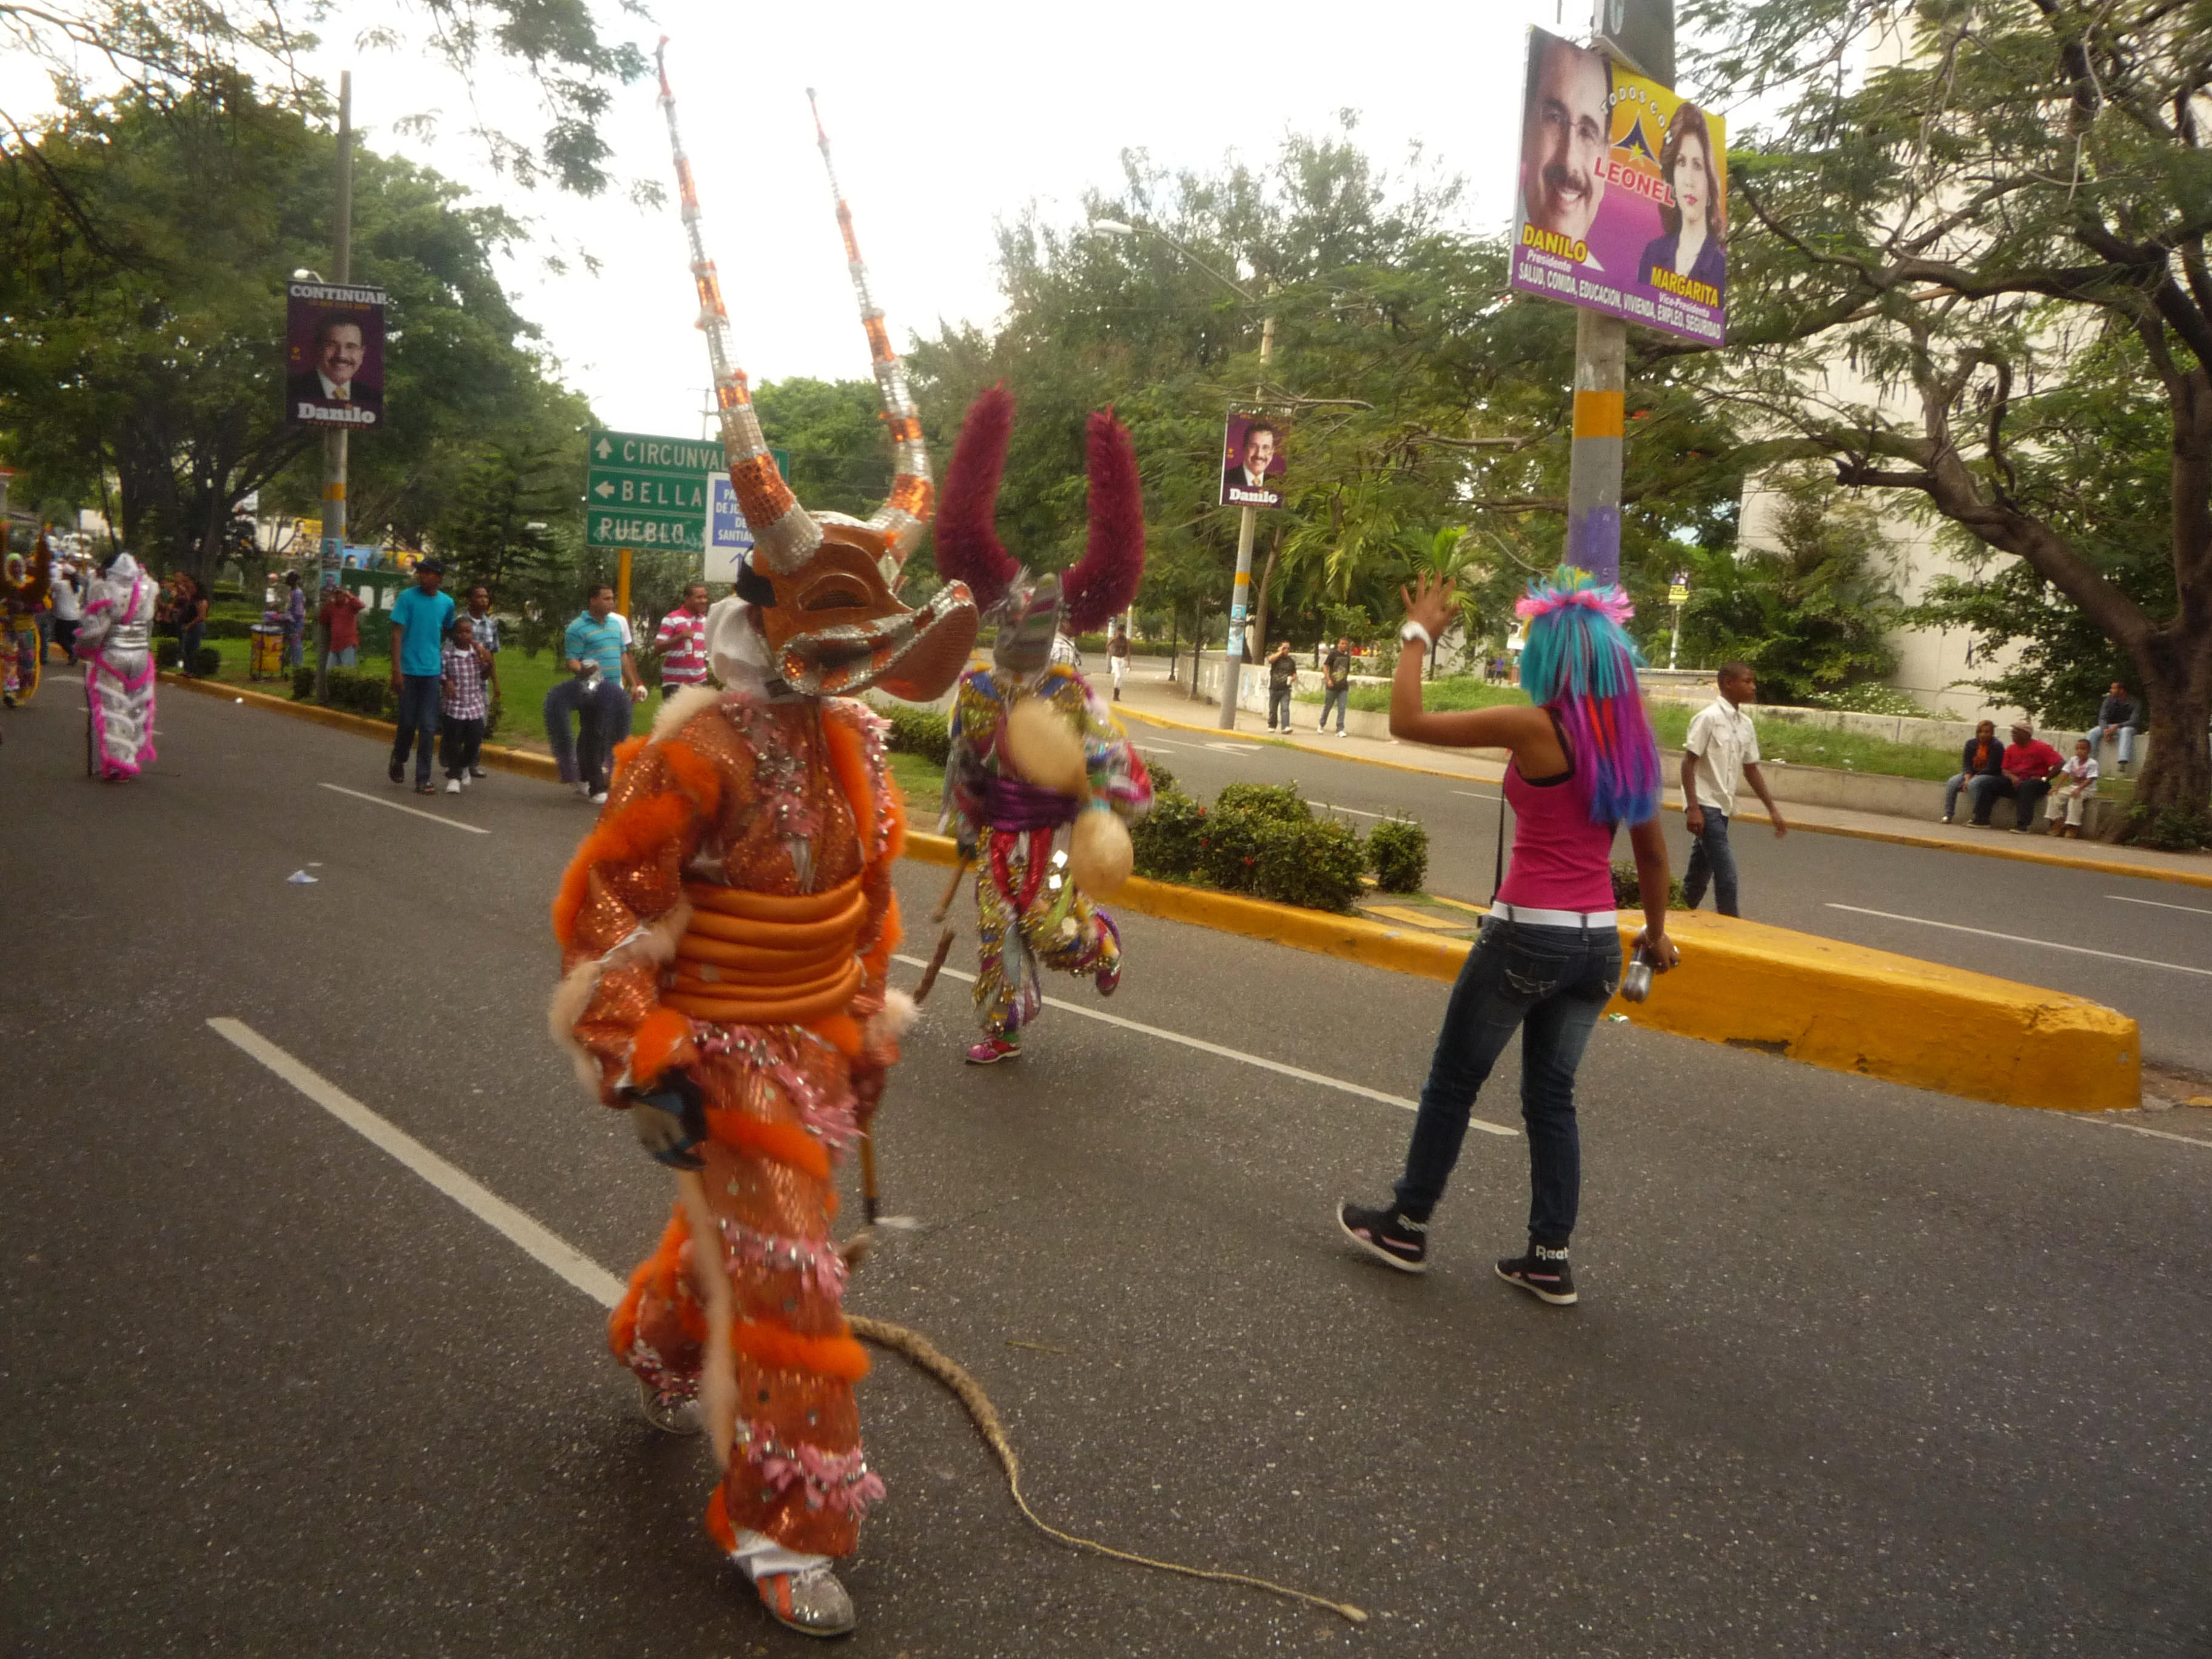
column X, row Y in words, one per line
column 1623, row 197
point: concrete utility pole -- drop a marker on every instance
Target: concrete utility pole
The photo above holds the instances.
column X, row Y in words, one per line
column 334, row 441
column 1640, row 34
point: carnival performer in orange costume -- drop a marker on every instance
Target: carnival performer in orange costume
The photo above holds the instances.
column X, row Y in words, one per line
column 725, row 932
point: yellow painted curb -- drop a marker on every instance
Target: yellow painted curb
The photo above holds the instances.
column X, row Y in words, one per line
column 1828, row 1004
column 1842, row 1007
column 1994, row 849
column 499, row 757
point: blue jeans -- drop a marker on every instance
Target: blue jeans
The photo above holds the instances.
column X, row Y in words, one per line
column 348, row 657
column 1711, row 859
column 2124, row 735
column 418, row 719
column 603, row 714
column 1550, row 984
column 1338, row 694
column 1951, row 793
column 188, row 646
column 1278, row 706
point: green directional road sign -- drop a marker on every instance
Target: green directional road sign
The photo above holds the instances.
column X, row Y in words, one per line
column 645, row 491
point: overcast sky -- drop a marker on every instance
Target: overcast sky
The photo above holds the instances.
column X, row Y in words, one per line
column 946, row 120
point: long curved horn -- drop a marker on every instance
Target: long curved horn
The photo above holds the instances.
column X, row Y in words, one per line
column 785, row 534
column 968, row 547
column 1104, row 581
column 906, row 510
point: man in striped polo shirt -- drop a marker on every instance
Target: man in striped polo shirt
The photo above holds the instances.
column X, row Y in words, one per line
column 681, row 644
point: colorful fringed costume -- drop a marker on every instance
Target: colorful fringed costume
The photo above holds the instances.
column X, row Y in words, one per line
column 732, row 915
column 23, row 590
column 115, row 642
column 726, row 933
column 1028, row 912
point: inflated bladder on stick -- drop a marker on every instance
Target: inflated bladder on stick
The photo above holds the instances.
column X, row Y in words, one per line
column 1045, row 747
column 1099, row 854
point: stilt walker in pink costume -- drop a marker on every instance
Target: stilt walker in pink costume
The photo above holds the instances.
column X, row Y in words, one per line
column 115, row 643
column 1034, row 747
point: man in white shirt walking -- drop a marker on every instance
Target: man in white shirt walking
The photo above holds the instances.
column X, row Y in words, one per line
column 1720, row 753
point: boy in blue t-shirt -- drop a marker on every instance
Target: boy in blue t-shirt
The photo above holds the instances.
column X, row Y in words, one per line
column 420, row 617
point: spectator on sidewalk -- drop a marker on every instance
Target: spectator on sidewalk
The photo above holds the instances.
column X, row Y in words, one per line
column 191, row 620
column 681, row 644
column 1117, row 656
column 1982, row 758
column 67, row 600
column 1719, row 757
column 294, row 619
column 2119, row 717
column 2075, row 783
column 2029, row 765
column 1282, row 681
column 419, row 619
column 486, row 625
column 462, row 705
column 340, row 613
column 601, row 687
column 1336, row 686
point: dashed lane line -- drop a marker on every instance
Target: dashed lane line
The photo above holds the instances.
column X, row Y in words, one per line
column 2157, row 1134
column 536, row 1241
column 415, row 812
column 2158, row 904
column 2016, row 939
column 1237, row 1054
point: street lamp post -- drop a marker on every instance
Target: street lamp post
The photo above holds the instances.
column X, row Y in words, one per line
column 1232, row 662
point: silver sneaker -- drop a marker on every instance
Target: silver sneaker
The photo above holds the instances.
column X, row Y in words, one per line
column 669, row 1416
column 811, row 1602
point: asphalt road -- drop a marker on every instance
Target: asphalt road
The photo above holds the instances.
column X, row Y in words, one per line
column 1856, row 1369
column 2144, row 947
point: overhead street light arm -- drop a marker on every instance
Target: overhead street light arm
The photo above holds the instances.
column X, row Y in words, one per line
column 1116, row 228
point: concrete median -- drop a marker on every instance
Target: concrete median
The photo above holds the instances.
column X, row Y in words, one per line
column 1839, row 1006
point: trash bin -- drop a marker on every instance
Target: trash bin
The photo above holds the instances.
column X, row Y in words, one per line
column 267, row 659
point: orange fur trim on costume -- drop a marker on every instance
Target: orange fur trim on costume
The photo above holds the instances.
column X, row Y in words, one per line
column 718, row 1522
column 778, row 1349
column 878, row 963
column 667, row 1262
column 694, row 774
column 626, row 837
column 894, row 808
column 661, row 1039
column 841, row 1032
column 849, row 759
column 625, row 751
column 784, row 1143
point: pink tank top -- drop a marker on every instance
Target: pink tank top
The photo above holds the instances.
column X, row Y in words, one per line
column 1561, row 861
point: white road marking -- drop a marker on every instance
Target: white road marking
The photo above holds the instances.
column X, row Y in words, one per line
column 1160, row 743
column 2159, row 904
column 1204, row 1047
column 2015, row 938
column 2138, row 1128
column 496, row 1212
column 1331, row 806
column 379, row 800
column 1474, row 794
column 1236, row 748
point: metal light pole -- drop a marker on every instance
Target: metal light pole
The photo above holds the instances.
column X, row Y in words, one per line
column 1233, row 659
column 334, row 441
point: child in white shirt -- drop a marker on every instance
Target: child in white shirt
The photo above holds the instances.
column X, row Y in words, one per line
column 2075, row 783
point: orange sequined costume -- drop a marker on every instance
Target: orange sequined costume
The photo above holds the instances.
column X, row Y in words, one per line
column 732, row 915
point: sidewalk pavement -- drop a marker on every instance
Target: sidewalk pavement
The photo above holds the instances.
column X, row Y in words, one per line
column 1152, row 697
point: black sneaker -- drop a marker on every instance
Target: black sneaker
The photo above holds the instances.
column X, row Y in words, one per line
column 1387, row 1236
column 1543, row 1274
column 397, row 771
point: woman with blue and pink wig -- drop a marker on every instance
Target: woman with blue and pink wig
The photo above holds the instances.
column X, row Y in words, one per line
column 1548, row 956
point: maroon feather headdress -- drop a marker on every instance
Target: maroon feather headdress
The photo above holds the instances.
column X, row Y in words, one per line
column 1097, row 586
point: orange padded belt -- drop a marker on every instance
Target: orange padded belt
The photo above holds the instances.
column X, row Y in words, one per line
column 757, row 959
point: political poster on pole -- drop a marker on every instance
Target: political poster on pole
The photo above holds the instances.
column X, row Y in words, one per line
column 1252, row 460
column 334, row 355
column 1622, row 206
column 728, row 536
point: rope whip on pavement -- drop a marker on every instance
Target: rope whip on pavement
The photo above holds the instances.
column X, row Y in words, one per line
column 925, row 1356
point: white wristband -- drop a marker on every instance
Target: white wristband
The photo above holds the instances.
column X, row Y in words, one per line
column 1414, row 630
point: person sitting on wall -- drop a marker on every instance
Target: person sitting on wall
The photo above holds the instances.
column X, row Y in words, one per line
column 2029, row 764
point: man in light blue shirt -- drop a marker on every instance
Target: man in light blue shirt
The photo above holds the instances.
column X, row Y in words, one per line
column 601, row 687
column 420, row 616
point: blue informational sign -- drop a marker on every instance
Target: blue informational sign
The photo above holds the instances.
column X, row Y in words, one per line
column 728, row 540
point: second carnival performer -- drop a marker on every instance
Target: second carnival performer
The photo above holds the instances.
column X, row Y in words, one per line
column 23, row 589
column 726, row 933
column 1013, row 778
column 115, row 642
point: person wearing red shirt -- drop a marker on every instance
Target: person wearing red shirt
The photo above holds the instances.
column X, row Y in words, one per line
column 2029, row 766
column 681, row 644
column 340, row 613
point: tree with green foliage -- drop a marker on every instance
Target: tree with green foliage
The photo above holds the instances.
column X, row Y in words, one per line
column 144, row 371
column 1811, row 613
column 1977, row 274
